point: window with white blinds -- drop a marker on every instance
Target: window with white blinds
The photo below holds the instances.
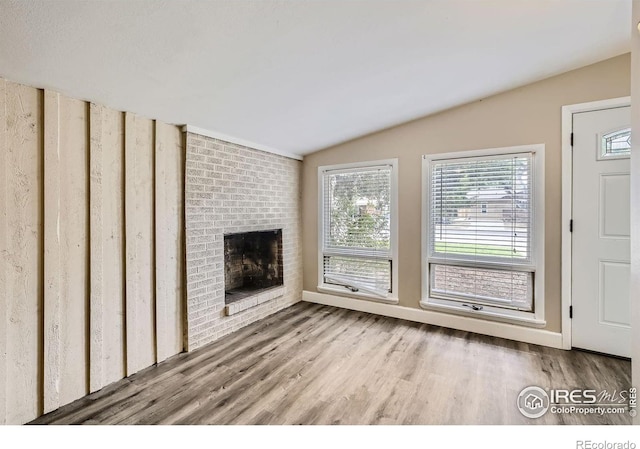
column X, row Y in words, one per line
column 357, row 229
column 481, row 230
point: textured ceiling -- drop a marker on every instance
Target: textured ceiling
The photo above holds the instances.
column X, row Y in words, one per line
column 300, row 75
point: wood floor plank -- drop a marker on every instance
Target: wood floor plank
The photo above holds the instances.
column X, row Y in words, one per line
column 209, row 371
column 313, row 364
column 251, row 372
column 92, row 405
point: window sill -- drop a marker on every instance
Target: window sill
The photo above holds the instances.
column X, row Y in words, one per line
column 491, row 314
column 358, row 295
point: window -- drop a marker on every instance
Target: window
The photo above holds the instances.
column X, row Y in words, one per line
column 357, row 228
column 483, row 239
column 616, row 144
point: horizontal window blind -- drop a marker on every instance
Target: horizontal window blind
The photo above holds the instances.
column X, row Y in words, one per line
column 358, row 209
column 481, row 222
column 357, row 228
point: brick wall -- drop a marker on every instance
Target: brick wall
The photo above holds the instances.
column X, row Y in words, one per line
column 230, row 188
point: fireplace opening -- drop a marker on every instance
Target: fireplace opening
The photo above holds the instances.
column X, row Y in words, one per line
column 252, row 263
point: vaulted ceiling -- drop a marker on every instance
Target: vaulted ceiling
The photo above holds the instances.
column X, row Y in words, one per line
column 300, row 75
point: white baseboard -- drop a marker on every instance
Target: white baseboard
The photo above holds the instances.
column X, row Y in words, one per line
column 484, row 327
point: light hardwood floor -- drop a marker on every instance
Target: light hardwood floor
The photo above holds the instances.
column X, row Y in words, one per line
column 313, row 364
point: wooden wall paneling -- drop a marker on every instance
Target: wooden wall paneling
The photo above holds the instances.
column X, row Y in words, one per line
column 169, row 239
column 74, row 232
column 52, row 312
column 139, row 237
column 22, row 256
column 66, row 246
column 96, row 256
column 4, row 259
column 107, row 328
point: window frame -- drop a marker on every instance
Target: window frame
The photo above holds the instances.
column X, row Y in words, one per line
column 535, row 318
column 323, row 287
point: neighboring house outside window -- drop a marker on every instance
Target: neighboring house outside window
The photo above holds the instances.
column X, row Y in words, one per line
column 358, row 230
column 483, row 233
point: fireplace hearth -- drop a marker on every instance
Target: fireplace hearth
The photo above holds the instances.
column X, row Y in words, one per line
column 252, row 263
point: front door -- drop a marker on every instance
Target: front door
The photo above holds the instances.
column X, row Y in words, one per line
column 601, row 225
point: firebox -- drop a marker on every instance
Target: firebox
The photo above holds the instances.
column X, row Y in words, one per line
column 252, row 263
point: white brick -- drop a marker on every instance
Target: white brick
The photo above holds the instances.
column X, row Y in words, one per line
column 231, row 188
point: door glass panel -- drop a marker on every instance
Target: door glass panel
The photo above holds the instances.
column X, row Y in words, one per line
column 616, row 144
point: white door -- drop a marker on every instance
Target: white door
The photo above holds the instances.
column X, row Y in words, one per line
column 601, row 224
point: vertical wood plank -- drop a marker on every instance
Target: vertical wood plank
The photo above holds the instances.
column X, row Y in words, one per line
column 52, row 318
column 107, row 356
column 4, row 260
column 113, row 250
column 74, row 236
column 96, row 257
column 66, row 250
column 22, row 254
column 168, row 239
column 139, row 214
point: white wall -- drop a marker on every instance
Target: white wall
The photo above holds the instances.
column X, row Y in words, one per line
column 91, row 248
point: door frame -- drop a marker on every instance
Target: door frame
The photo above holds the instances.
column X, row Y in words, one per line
column 567, row 200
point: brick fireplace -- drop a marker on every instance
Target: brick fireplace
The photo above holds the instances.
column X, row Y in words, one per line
column 243, row 236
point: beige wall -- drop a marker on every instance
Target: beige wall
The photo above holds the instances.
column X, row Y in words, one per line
column 527, row 115
column 635, row 198
column 83, row 284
